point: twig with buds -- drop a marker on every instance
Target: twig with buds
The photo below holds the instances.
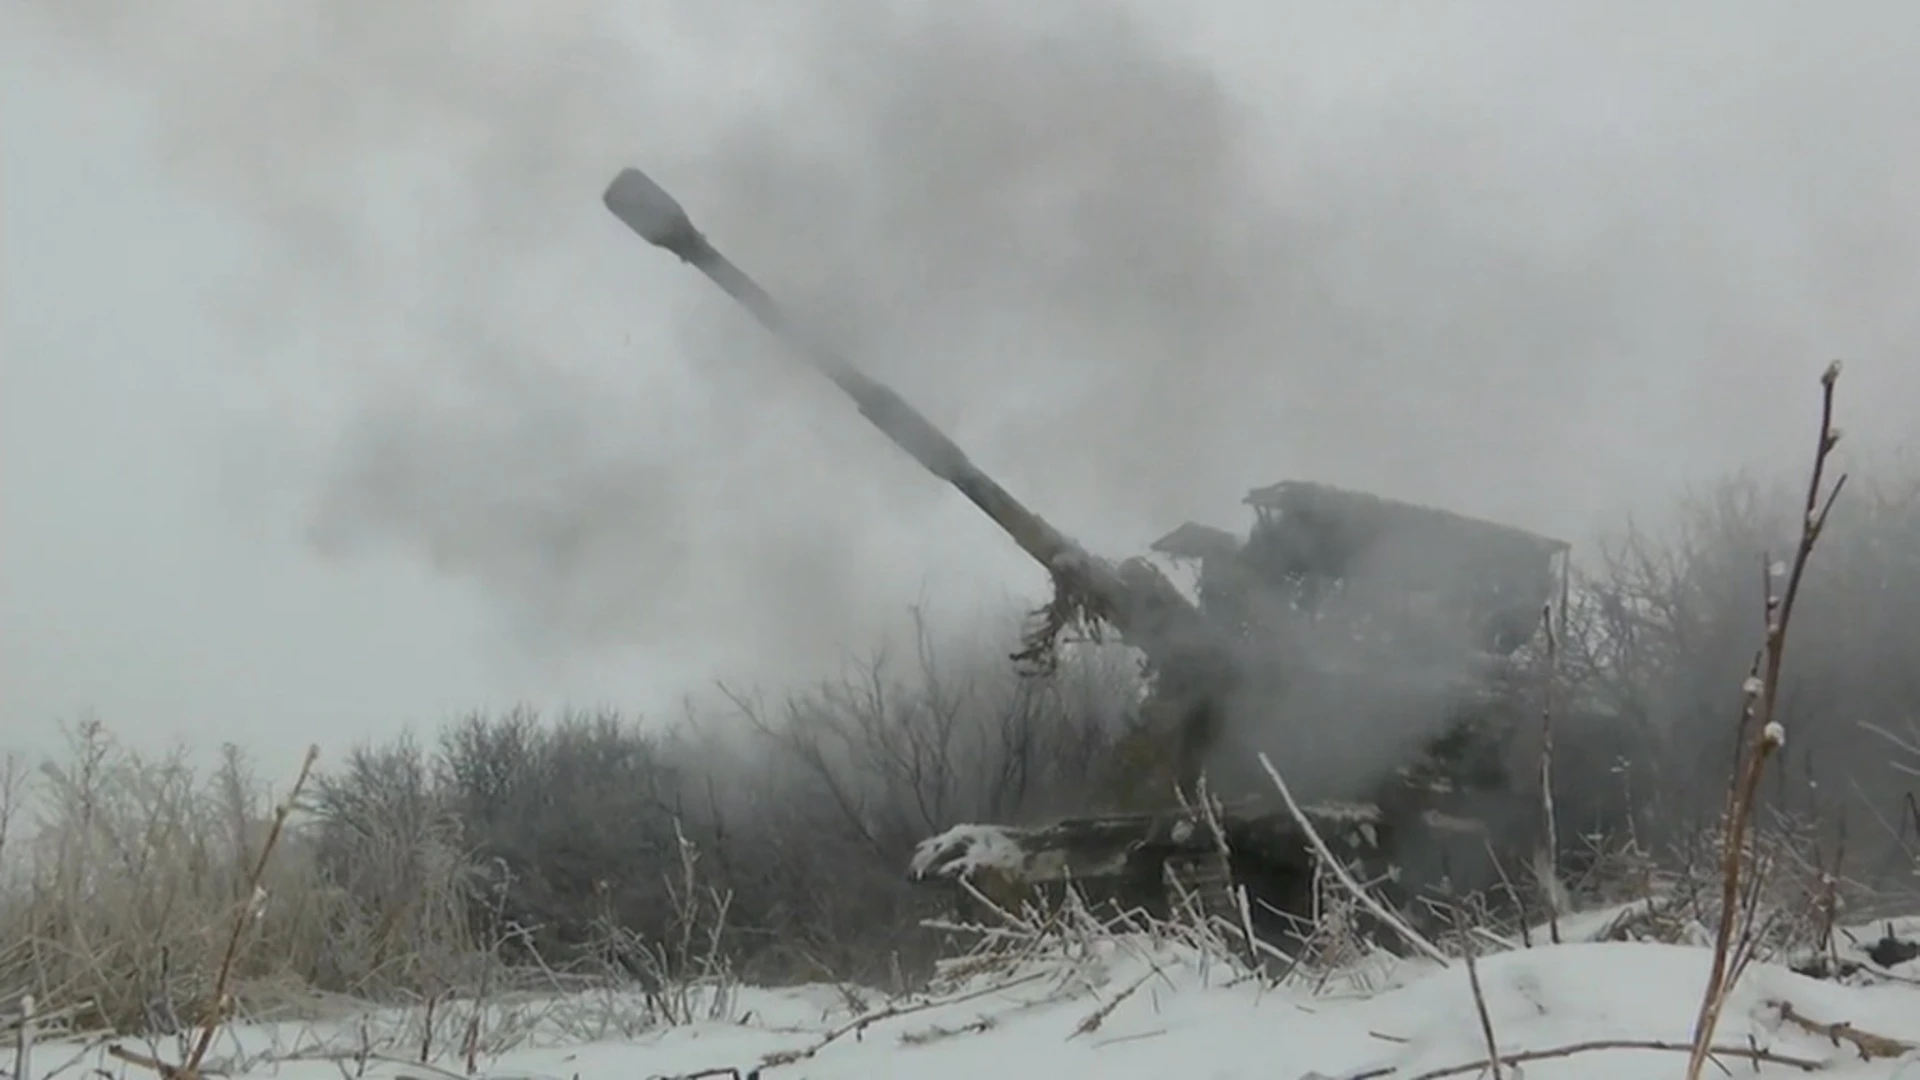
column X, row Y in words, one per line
column 1763, row 733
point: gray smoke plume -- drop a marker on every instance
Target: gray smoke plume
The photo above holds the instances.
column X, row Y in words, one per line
column 1529, row 267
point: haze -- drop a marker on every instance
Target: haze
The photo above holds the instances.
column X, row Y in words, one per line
column 335, row 401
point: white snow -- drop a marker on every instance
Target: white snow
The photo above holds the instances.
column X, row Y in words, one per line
column 1137, row 1012
column 963, row 849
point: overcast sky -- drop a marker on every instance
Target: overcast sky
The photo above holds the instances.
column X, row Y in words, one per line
column 334, row 401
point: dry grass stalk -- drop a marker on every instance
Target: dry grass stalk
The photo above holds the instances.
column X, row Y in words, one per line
column 1469, row 953
column 1209, row 808
column 1766, row 736
column 23, row 1046
column 1073, row 945
column 688, row 978
column 1092, row 1021
column 1513, row 896
column 936, row 1032
column 859, row 1024
column 1524, row 1057
column 1551, row 829
column 1333, row 943
column 1333, row 866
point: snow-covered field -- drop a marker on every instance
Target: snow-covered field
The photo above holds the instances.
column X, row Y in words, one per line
column 1586, row 1011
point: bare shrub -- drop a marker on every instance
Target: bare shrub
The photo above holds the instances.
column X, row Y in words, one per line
column 685, row 974
column 1661, row 637
column 401, row 886
column 1798, row 892
column 903, row 747
column 127, row 877
column 573, row 820
column 908, row 746
column 767, row 841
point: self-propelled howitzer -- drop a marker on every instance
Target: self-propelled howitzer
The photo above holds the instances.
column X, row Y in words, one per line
column 1375, row 644
column 1190, row 656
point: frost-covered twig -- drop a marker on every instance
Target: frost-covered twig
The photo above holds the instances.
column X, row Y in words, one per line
column 1467, row 953
column 1522, row 1057
column 1334, row 867
column 1907, row 745
column 1870, row 1045
column 1092, row 1021
column 23, row 1049
column 890, row 1012
column 1257, row 950
column 1762, row 692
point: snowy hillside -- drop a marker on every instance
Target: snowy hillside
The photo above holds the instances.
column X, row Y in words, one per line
column 1610, row 1011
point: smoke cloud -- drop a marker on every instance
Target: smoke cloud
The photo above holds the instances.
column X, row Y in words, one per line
column 1537, row 268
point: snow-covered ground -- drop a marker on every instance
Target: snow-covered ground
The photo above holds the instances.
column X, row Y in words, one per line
column 1132, row 1012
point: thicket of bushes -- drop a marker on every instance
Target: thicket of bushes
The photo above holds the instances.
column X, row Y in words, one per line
column 772, row 840
column 769, row 840
column 1666, row 624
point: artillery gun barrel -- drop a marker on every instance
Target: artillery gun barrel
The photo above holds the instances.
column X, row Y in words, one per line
column 646, row 208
